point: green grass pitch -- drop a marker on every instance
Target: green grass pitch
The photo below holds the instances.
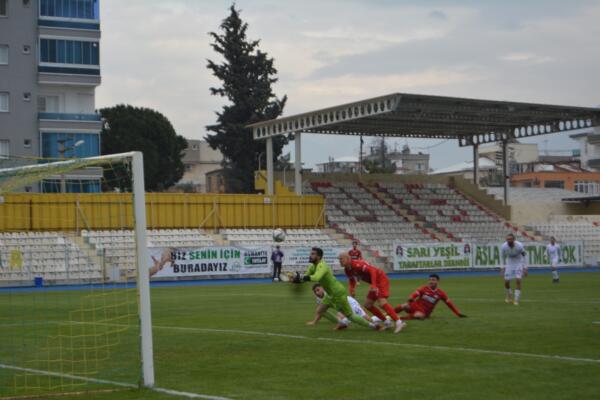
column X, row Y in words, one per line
column 218, row 341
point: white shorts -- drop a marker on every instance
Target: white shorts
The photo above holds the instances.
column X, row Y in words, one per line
column 554, row 262
column 356, row 308
column 513, row 272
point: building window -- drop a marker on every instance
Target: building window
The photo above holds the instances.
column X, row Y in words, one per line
column 26, row 3
column 49, row 104
column 4, row 102
column 554, row 184
column 4, row 149
column 3, row 8
column 80, row 9
column 62, row 145
column 588, row 187
column 26, row 49
column 3, row 54
column 27, row 96
column 69, row 52
column 27, row 143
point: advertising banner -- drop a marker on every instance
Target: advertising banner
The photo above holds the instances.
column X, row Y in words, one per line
column 431, row 255
column 487, row 255
column 294, row 256
column 204, row 261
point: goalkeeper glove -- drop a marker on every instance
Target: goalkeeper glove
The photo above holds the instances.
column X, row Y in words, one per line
column 306, row 278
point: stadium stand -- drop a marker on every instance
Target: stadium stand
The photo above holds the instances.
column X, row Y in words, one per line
column 49, row 255
column 535, row 195
column 380, row 213
column 117, row 246
column 587, row 231
column 294, row 237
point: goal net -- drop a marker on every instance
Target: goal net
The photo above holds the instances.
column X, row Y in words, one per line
column 74, row 302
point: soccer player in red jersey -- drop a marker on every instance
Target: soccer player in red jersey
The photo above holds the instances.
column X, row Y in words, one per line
column 422, row 302
column 380, row 287
column 355, row 253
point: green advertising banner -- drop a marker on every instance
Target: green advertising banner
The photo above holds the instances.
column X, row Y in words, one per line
column 487, row 255
column 477, row 255
column 431, row 255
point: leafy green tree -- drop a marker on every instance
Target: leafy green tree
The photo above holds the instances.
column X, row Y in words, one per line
column 247, row 75
column 129, row 128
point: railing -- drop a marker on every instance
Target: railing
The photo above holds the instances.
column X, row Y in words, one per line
column 69, row 117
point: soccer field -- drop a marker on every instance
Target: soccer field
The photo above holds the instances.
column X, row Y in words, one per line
column 250, row 341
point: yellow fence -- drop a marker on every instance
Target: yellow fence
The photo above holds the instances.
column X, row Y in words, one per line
column 27, row 211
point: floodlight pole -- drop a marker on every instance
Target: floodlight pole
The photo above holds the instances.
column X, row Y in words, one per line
column 143, row 283
column 298, row 163
column 476, row 164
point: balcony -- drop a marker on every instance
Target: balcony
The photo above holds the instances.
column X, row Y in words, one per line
column 69, row 117
column 57, row 121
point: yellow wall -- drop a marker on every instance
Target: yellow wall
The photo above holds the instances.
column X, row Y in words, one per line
column 27, row 211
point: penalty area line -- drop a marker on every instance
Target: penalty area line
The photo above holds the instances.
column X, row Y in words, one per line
column 393, row 344
column 112, row 383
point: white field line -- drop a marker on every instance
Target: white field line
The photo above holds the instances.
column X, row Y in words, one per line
column 109, row 382
column 596, row 322
column 379, row 343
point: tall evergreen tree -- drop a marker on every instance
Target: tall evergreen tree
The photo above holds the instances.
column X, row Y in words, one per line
column 247, row 75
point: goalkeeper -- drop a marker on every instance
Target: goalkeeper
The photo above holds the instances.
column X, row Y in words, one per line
column 319, row 271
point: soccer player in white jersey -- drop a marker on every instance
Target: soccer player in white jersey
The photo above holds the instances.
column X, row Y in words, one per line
column 342, row 321
column 513, row 256
column 553, row 252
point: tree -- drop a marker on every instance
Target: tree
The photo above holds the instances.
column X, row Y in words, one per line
column 247, row 75
column 375, row 167
column 378, row 161
column 131, row 128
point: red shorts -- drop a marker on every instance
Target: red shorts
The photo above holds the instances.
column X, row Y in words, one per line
column 414, row 307
column 383, row 286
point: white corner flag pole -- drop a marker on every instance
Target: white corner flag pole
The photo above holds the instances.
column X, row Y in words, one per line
column 143, row 280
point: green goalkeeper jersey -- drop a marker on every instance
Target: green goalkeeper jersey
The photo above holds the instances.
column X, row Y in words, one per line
column 324, row 275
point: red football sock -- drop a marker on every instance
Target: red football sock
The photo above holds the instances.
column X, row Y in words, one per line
column 376, row 312
column 407, row 317
column 390, row 311
column 399, row 308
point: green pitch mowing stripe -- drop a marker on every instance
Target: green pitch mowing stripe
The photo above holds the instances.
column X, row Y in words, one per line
column 111, row 383
column 380, row 343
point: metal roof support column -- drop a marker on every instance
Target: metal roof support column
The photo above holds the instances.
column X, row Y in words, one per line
column 270, row 183
column 298, row 163
column 476, row 164
column 505, row 170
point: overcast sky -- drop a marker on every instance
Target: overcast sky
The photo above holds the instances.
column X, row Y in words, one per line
column 329, row 52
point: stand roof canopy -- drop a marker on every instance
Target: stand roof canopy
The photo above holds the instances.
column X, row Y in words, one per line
column 470, row 121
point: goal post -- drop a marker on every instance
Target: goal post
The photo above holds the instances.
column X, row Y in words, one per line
column 87, row 332
column 139, row 207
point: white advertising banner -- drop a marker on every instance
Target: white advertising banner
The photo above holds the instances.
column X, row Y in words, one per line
column 477, row 255
column 205, row 261
column 431, row 255
column 293, row 256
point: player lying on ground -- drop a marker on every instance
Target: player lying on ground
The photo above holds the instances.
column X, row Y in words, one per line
column 553, row 252
column 380, row 287
column 343, row 322
column 513, row 256
column 319, row 271
column 422, row 302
